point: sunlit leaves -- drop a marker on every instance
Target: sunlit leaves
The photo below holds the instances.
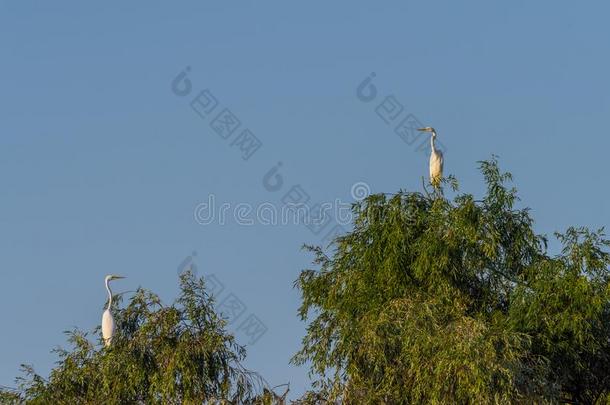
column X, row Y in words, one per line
column 178, row 354
column 457, row 301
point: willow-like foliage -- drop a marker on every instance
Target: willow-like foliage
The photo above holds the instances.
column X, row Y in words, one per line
column 425, row 300
column 430, row 300
column 178, row 354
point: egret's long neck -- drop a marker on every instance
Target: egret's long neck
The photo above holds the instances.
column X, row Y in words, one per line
column 109, row 294
column 432, row 138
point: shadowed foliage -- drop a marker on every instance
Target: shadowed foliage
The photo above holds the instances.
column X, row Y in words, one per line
column 429, row 300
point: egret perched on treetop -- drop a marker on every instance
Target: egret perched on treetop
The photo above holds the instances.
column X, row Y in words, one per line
column 436, row 159
column 107, row 320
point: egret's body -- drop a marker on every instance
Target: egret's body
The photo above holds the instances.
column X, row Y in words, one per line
column 107, row 319
column 436, row 159
column 107, row 326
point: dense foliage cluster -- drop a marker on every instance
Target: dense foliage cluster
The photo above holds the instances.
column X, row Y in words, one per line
column 178, row 354
column 426, row 300
column 435, row 301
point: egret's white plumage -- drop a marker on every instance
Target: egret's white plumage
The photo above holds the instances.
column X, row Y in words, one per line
column 436, row 159
column 107, row 319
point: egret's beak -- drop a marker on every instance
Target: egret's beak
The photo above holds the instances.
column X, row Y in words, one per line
column 422, row 129
column 118, row 277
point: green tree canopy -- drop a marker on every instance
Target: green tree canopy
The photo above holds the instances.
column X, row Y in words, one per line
column 429, row 300
column 425, row 300
column 178, row 354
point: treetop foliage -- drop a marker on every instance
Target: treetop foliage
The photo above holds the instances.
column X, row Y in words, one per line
column 426, row 300
column 178, row 354
column 429, row 300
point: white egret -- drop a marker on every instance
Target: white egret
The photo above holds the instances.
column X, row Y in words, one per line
column 436, row 159
column 107, row 320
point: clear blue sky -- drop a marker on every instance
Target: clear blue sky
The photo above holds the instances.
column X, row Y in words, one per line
column 101, row 164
